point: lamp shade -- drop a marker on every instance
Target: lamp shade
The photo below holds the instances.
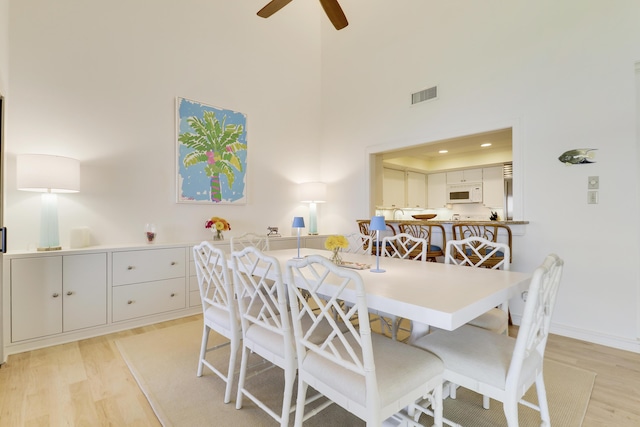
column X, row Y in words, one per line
column 377, row 223
column 298, row 222
column 46, row 173
column 313, row 192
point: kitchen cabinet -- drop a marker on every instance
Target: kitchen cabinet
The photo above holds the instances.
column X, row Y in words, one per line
column 55, row 294
column 493, row 187
column 393, row 185
column 464, row 176
column 416, row 190
column 436, row 190
column 147, row 282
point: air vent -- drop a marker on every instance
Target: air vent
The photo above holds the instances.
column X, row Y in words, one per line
column 507, row 170
column 424, row 95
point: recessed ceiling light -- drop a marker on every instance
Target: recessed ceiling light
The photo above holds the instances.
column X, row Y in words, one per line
column 443, row 151
column 486, row 144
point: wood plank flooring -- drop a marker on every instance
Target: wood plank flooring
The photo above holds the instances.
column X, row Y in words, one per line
column 87, row 383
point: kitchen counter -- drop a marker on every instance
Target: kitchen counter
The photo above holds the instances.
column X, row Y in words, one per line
column 449, row 221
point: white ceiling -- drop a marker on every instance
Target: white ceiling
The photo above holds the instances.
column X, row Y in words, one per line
column 500, row 141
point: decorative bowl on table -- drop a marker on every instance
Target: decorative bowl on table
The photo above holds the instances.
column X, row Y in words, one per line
column 424, row 216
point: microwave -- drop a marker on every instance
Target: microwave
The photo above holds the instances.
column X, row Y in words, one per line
column 464, row 193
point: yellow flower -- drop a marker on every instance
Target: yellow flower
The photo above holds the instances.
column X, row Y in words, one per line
column 219, row 226
column 335, row 242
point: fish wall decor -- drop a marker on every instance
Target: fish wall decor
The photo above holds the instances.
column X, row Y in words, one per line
column 578, row 156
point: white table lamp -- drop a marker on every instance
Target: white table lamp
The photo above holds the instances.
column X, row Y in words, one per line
column 313, row 193
column 377, row 223
column 48, row 175
column 298, row 222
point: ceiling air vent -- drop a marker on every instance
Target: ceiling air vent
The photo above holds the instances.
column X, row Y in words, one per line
column 424, row 95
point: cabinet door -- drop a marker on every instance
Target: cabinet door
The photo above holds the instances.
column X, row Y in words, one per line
column 436, row 190
column 472, row 175
column 493, row 187
column 145, row 299
column 465, row 175
column 84, row 279
column 146, row 265
column 36, row 297
column 393, row 188
column 416, row 190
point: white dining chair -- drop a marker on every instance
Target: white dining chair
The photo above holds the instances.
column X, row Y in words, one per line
column 266, row 325
column 219, row 309
column 499, row 366
column 367, row 374
column 403, row 246
column 259, row 241
column 477, row 251
column 359, row 244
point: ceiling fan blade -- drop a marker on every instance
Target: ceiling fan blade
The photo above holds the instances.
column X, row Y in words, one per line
column 272, row 7
column 335, row 13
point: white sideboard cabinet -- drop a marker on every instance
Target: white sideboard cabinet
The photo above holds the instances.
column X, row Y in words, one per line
column 55, row 294
column 51, row 298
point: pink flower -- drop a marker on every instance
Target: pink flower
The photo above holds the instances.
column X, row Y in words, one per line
column 211, row 157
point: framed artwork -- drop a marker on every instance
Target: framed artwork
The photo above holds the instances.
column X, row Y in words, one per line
column 211, row 152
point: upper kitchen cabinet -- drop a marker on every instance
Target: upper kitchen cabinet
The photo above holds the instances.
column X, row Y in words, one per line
column 436, row 190
column 493, row 187
column 393, row 188
column 463, row 176
column 416, row 190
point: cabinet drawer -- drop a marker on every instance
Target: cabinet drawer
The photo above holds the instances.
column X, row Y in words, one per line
column 144, row 299
column 148, row 265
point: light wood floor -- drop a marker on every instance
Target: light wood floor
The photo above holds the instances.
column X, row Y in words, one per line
column 86, row 383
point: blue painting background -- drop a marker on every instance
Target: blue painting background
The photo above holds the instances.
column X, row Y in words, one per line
column 194, row 184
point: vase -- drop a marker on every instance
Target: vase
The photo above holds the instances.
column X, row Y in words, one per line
column 217, row 235
column 336, row 257
column 151, row 232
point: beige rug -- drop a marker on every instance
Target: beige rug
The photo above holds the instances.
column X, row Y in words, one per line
column 164, row 363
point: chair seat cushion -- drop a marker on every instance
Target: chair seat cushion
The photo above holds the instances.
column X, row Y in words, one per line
column 495, row 320
column 219, row 320
column 498, row 254
column 399, row 367
column 274, row 341
column 434, row 248
column 476, row 353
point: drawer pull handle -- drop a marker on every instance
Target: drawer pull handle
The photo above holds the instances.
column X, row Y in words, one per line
column 131, row 267
column 173, row 295
column 130, row 302
column 56, row 295
column 173, row 263
column 70, row 293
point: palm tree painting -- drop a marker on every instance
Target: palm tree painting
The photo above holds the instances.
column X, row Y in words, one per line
column 212, row 154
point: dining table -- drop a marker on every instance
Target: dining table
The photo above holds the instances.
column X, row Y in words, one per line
column 430, row 294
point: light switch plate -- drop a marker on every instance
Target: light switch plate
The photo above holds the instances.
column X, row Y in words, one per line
column 592, row 197
column 593, row 183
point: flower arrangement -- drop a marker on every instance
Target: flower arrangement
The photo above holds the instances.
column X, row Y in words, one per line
column 335, row 243
column 217, row 225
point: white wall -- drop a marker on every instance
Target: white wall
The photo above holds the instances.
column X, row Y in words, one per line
column 97, row 81
column 561, row 72
column 4, row 46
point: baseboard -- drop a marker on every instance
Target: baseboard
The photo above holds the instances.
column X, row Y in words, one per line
column 590, row 336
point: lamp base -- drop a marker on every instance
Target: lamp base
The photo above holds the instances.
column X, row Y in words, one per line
column 377, row 270
column 50, row 248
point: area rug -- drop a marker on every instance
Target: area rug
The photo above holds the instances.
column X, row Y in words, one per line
column 164, row 364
